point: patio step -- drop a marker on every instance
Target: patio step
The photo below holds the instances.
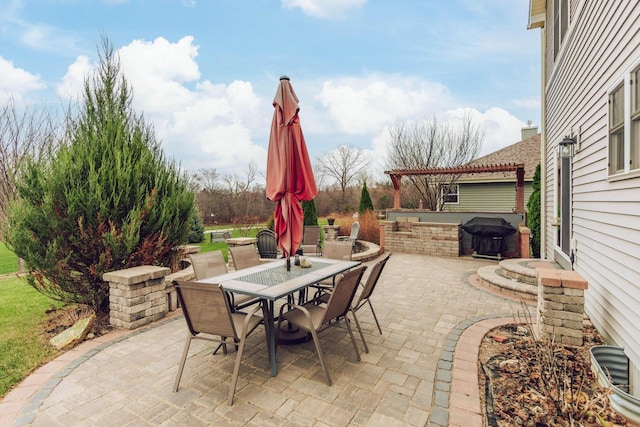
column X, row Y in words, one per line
column 493, row 277
column 515, row 276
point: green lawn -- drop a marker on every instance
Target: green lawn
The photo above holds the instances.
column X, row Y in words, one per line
column 22, row 344
column 8, row 260
column 207, row 246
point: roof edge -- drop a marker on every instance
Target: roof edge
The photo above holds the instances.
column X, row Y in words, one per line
column 537, row 14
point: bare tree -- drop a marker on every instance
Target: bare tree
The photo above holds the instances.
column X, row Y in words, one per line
column 431, row 144
column 28, row 133
column 344, row 165
column 207, row 179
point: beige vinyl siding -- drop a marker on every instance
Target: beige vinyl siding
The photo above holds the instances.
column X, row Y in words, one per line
column 488, row 197
column 602, row 45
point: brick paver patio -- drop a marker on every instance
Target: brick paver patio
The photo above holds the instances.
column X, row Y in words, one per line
column 420, row 371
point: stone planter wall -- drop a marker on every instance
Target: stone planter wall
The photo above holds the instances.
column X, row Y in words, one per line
column 560, row 305
column 425, row 238
column 138, row 296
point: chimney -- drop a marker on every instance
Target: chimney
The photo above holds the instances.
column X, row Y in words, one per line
column 529, row 131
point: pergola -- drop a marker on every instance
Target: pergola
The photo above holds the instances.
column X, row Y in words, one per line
column 396, row 178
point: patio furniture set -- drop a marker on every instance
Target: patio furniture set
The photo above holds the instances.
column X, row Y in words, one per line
column 221, row 304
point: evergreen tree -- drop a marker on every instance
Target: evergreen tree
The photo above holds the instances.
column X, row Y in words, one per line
column 196, row 232
column 365, row 200
column 310, row 213
column 105, row 200
column 533, row 214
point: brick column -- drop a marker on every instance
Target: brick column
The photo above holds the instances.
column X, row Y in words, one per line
column 560, row 305
column 330, row 232
column 137, row 296
column 524, row 236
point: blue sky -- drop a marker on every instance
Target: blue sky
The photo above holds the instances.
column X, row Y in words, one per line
column 205, row 72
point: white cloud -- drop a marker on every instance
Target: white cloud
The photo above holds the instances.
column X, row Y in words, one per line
column 225, row 125
column 331, row 9
column 72, row 83
column 501, row 127
column 16, row 81
column 203, row 124
column 365, row 105
column 158, row 72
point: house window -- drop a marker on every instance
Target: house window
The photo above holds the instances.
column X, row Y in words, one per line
column 450, row 193
column 624, row 125
column 634, row 161
column 616, row 130
column 560, row 24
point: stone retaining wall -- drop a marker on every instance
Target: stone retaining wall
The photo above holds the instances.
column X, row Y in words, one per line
column 425, row 238
column 561, row 305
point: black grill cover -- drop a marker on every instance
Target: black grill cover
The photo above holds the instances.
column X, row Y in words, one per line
column 488, row 227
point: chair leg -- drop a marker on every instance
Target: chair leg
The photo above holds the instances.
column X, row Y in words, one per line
column 182, row 362
column 223, row 345
column 353, row 339
column 364, row 342
column 374, row 316
column 236, row 369
column 316, row 341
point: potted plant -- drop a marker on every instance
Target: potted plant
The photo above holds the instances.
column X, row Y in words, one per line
column 331, row 221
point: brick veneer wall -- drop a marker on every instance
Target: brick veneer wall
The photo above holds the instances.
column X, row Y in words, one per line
column 426, row 238
column 561, row 305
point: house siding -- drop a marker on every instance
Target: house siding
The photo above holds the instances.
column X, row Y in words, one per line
column 488, row 197
column 602, row 44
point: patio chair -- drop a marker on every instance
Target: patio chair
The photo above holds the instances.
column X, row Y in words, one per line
column 244, row 256
column 207, row 312
column 267, row 244
column 311, row 242
column 315, row 318
column 334, row 249
column 353, row 236
column 364, row 297
column 209, row 264
column 338, row 249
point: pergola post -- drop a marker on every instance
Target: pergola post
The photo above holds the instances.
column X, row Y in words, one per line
column 396, row 180
column 520, row 188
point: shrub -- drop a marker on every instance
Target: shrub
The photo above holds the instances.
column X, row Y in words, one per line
column 533, row 214
column 270, row 222
column 369, row 226
column 365, row 200
column 310, row 213
column 196, row 233
column 106, row 200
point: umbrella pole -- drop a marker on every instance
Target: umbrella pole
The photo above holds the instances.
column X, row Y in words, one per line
column 288, row 263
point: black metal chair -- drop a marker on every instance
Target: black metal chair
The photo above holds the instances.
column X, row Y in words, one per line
column 267, row 244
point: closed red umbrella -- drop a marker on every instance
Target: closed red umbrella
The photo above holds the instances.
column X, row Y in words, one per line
column 289, row 174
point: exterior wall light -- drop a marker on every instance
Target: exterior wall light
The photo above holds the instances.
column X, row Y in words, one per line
column 565, row 147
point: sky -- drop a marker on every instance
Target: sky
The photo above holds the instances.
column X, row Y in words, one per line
column 205, row 72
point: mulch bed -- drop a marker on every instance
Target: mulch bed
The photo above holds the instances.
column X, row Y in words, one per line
column 62, row 318
column 529, row 382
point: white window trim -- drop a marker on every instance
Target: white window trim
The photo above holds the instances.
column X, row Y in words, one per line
column 625, row 80
column 457, row 193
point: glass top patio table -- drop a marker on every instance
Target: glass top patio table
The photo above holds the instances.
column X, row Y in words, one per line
column 271, row 281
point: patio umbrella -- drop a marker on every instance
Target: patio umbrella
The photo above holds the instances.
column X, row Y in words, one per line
column 289, row 175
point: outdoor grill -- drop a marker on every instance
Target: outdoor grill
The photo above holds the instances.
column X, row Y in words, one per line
column 488, row 235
